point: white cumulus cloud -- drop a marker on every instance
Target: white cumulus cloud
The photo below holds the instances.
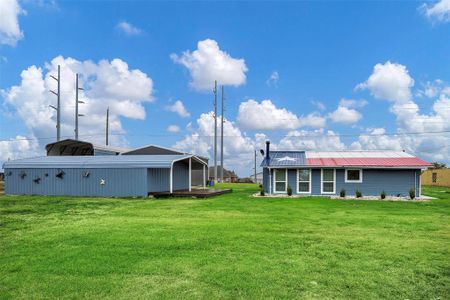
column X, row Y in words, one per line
column 10, row 32
column 345, row 112
column 18, row 147
column 128, row 28
column 421, row 133
column 273, row 79
column 266, row 116
column 106, row 84
column 209, row 63
column 173, row 128
column 438, row 11
column 389, row 81
column 238, row 148
column 178, row 108
column 345, row 115
column 317, row 140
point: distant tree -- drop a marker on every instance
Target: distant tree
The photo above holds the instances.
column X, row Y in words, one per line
column 437, row 165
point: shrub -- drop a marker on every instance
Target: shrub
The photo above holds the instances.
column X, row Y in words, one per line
column 412, row 193
column 383, row 195
column 289, row 190
column 358, row 194
column 261, row 191
column 342, row 193
column 260, row 186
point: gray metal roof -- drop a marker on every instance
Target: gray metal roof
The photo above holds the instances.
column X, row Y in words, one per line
column 116, row 161
column 285, row 158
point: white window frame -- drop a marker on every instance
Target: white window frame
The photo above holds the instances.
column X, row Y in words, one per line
column 321, row 181
column 275, row 180
column 298, row 182
column 354, row 181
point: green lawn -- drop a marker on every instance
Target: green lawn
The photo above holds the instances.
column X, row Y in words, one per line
column 231, row 246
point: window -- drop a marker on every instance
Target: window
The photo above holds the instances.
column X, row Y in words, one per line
column 328, row 181
column 304, row 181
column 280, row 180
column 353, row 175
column 434, row 177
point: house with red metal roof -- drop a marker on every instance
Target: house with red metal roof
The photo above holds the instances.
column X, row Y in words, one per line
column 329, row 172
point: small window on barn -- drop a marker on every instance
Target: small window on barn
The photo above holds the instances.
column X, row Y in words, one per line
column 353, row 175
column 434, row 177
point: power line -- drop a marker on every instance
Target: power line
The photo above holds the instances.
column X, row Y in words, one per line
column 240, row 136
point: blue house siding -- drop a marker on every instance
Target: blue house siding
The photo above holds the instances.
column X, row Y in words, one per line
column 266, row 180
column 315, row 181
column 292, row 179
column 392, row 181
column 158, row 180
column 118, row 182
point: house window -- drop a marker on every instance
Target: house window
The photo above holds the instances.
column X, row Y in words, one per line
column 434, row 177
column 328, row 181
column 280, row 180
column 353, row 175
column 304, row 181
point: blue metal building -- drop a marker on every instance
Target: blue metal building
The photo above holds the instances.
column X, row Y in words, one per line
column 327, row 173
column 107, row 176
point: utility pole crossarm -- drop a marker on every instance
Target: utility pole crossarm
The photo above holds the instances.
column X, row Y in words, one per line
column 76, row 106
column 58, row 103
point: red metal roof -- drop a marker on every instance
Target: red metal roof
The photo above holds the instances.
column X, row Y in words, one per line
column 369, row 162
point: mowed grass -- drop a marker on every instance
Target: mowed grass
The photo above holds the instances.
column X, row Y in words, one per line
column 231, row 246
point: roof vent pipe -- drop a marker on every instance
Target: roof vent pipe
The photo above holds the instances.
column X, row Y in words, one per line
column 267, row 149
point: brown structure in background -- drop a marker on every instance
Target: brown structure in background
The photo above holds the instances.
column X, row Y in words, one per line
column 228, row 176
column 436, row 177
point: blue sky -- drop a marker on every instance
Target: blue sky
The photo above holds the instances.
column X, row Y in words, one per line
column 321, row 51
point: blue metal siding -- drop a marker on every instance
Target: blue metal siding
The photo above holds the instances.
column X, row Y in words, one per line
column 180, row 176
column 158, row 180
column 118, row 182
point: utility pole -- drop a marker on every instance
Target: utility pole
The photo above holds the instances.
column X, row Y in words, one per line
column 58, row 105
column 107, row 125
column 215, row 130
column 76, row 107
column 256, row 181
column 221, row 139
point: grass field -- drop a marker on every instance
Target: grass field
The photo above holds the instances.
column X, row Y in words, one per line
column 231, row 246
